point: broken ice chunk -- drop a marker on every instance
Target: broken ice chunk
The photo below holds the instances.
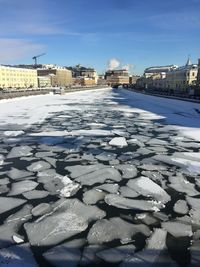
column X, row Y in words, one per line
column 9, row 229
column 20, row 151
column 181, row 207
column 41, row 209
column 1, row 159
column 180, row 184
column 99, row 176
column 55, row 228
column 128, row 170
column 110, row 188
column 177, row 229
column 126, row 203
column 22, row 187
column 35, row 194
column 68, row 218
column 105, row 156
column 13, row 133
column 70, row 188
column 93, row 196
column 9, row 203
column 38, row 166
column 104, row 231
column 146, row 187
column 79, row 170
column 118, row 141
column 16, row 174
column 128, row 192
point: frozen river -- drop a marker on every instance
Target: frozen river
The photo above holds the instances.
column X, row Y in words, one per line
column 99, row 178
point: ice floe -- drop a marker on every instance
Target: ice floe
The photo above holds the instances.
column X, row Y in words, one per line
column 93, row 196
column 17, row 174
column 181, row 207
column 13, row 133
column 9, row 203
column 68, row 218
column 181, row 184
column 35, row 194
column 104, row 231
column 22, row 187
column 128, row 170
column 99, row 176
column 177, row 229
column 41, row 209
column 78, row 170
column 146, row 187
column 118, row 141
column 9, row 230
column 20, row 151
column 132, row 204
column 38, row 166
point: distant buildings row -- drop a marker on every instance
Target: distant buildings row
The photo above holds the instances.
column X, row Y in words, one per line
column 165, row 78
column 27, row 76
column 171, row 78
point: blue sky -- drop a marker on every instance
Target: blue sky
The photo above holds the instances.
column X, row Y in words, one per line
column 90, row 32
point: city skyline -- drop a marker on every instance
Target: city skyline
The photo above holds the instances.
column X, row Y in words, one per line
column 91, row 33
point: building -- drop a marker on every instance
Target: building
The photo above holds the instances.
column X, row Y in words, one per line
column 148, row 72
column 79, row 72
column 101, row 80
column 58, row 76
column 12, row 77
column 182, row 78
column 133, row 79
column 117, row 77
column 44, row 81
column 198, row 74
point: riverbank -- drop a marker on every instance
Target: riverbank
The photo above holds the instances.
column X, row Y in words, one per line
column 43, row 91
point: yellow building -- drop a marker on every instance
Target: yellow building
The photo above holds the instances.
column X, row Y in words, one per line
column 59, row 76
column 181, row 78
column 11, row 77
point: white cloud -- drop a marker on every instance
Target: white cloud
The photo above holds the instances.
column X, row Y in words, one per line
column 16, row 49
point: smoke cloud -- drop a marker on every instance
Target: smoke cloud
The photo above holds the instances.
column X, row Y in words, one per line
column 128, row 67
column 113, row 64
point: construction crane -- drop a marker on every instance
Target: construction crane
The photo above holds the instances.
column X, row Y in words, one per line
column 35, row 57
